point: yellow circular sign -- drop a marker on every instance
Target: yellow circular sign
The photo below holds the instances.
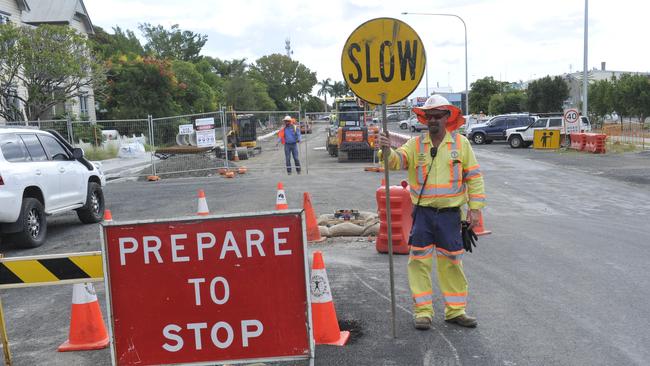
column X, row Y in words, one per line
column 383, row 55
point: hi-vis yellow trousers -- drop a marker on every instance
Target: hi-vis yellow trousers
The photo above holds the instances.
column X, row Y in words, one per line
column 437, row 232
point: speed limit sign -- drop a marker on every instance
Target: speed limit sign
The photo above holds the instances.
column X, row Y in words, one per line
column 571, row 120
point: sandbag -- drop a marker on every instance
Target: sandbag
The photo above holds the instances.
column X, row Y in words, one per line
column 324, row 219
column 346, row 229
column 371, row 230
column 324, row 231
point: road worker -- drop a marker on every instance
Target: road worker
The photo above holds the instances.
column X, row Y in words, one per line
column 443, row 175
column 289, row 136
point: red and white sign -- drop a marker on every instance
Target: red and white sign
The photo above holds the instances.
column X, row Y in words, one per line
column 204, row 290
column 571, row 120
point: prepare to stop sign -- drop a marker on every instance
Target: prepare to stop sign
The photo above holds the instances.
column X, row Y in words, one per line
column 208, row 290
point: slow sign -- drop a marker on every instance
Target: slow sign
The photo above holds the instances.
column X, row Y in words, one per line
column 218, row 289
column 383, row 55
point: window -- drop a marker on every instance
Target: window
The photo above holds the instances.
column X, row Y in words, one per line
column 13, row 149
column 83, row 104
column 53, row 147
column 555, row 122
column 34, row 147
column 540, row 123
column 499, row 122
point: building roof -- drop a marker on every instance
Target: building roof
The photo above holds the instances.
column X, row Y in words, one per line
column 56, row 11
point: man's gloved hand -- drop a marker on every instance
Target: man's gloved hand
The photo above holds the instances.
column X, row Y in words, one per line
column 469, row 237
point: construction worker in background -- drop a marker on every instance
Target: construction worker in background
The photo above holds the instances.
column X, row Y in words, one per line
column 289, row 136
column 443, row 175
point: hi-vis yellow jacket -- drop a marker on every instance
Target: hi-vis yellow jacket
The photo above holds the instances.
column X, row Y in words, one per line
column 455, row 177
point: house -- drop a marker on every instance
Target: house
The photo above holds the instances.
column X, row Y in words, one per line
column 32, row 13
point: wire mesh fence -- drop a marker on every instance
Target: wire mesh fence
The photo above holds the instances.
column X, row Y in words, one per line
column 628, row 133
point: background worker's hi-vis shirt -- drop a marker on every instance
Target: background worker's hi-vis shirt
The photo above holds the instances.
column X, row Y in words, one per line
column 455, row 177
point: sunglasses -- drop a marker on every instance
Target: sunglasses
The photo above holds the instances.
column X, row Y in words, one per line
column 436, row 115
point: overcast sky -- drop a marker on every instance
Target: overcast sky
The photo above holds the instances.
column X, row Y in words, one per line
column 510, row 40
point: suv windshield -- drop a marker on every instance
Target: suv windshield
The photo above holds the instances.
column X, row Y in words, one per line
column 539, row 123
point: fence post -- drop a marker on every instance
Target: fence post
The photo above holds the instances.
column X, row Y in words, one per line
column 153, row 144
column 225, row 137
column 68, row 123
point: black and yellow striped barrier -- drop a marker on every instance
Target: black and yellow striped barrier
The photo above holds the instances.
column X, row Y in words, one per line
column 56, row 269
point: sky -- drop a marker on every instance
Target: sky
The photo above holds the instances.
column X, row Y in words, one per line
column 510, row 40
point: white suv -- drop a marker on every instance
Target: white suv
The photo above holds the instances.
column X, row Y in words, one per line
column 523, row 136
column 41, row 175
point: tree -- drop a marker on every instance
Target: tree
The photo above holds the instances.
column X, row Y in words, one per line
column 193, row 94
column 547, row 95
column 288, row 81
column 52, row 62
column 120, row 42
column 632, row 96
column 340, row 89
column 325, row 88
column 140, row 86
column 247, row 94
column 314, row 104
column 173, row 43
column 481, row 91
column 496, row 104
column 601, row 97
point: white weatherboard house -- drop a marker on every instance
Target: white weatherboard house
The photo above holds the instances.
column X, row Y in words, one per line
column 32, row 13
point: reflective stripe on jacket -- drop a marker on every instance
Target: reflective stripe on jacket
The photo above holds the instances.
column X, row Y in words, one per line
column 455, row 177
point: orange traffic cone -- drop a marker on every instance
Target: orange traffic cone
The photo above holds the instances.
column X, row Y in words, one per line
column 236, row 157
column 87, row 330
column 313, row 233
column 281, row 199
column 480, row 229
column 202, row 209
column 326, row 326
column 108, row 216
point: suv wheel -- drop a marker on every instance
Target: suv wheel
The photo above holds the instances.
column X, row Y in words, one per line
column 93, row 210
column 516, row 142
column 33, row 224
column 478, row 138
column 413, row 129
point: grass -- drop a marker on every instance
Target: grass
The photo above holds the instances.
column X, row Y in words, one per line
column 98, row 153
column 618, row 147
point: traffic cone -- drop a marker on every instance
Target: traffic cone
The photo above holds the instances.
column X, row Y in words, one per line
column 236, row 157
column 87, row 330
column 326, row 326
column 108, row 216
column 202, row 209
column 313, row 233
column 281, row 199
column 480, row 229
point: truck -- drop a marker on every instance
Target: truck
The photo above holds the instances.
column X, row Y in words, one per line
column 350, row 136
column 520, row 137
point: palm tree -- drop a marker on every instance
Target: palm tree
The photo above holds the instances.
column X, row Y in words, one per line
column 325, row 88
column 339, row 89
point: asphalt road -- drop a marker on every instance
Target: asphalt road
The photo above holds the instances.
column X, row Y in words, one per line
column 562, row 280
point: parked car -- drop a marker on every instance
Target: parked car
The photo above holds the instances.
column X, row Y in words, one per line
column 412, row 124
column 495, row 128
column 523, row 136
column 42, row 175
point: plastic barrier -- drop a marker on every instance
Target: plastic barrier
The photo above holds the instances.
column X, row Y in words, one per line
column 401, row 207
column 578, row 141
column 595, row 143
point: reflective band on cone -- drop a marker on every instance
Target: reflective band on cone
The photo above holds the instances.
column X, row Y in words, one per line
column 87, row 330
column 202, row 209
column 281, row 199
column 326, row 326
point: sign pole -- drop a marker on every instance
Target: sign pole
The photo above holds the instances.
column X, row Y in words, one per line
column 386, row 156
column 3, row 336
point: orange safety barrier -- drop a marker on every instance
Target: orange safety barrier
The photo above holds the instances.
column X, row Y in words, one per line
column 326, row 325
column 401, row 208
column 578, row 141
column 595, row 143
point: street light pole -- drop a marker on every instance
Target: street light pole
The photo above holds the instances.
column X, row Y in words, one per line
column 465, row 28
column 585, row 88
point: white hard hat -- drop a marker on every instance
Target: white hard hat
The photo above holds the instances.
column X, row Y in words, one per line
column 437, row 101
column 287, row 118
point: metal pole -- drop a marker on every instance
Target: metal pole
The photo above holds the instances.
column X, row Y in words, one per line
column 426, row 76
column 465, row 28
column 225, row 137
column 153, row 145
column 3, row 336
column 386, row 153
column 584, row 65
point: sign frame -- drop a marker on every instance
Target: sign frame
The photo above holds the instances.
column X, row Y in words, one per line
column 307, row 281
column 390, row 99
column 571, row 125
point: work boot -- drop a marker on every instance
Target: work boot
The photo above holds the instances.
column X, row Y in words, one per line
column 464, row 321
column 422, row 323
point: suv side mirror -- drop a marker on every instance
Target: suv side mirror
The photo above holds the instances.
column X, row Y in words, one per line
column 77, row 153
